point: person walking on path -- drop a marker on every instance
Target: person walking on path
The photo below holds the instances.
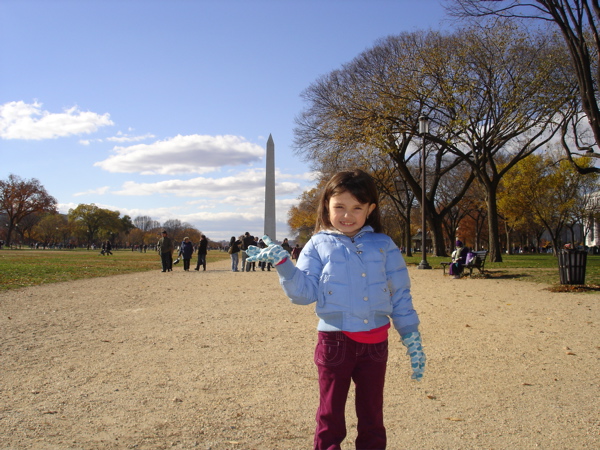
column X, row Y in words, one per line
column 286, row 246
column 247, row 241
column 359, row 281
column 165, row 249
column 186, row 250
column 296, row 251
column 202, row 251
column 234, row 252
column 251, row 266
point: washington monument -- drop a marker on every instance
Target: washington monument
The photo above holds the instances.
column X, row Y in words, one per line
column 270, row 190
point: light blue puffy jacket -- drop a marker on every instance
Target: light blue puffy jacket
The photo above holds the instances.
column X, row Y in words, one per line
column 358, row 283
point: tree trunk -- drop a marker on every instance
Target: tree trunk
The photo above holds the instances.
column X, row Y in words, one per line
column 508, row 243
column 495, row 248
column 407, row 237
column 8, row 235
column 436, row 229
column 555, row 245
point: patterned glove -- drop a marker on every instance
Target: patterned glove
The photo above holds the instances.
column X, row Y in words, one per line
column 273, row 254
column 412, row 342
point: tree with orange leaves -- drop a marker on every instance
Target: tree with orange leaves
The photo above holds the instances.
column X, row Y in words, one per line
column 19, row 198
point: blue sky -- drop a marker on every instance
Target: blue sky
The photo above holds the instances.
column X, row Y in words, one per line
column 163, row 108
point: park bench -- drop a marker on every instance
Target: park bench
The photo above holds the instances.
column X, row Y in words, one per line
column 478, row 262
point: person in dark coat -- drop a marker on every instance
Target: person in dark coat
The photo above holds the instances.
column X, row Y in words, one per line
column 202, row 251
column 165, row 249
column 186, row 250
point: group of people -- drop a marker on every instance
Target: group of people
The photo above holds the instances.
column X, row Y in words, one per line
column 106, row 248
column 239, row 246
column 186, row 251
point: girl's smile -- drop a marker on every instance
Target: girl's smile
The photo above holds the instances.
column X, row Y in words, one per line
column 347, row 214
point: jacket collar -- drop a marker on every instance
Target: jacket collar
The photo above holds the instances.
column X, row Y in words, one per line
column 363, row 231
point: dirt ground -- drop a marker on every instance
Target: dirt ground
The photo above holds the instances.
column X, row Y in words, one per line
column 222, row 360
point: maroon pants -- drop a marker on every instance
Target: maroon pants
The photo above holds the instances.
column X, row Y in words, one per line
column 340, row 360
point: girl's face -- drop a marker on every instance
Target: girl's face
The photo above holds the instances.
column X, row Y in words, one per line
column 347, row 214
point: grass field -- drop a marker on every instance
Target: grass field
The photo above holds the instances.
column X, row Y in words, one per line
column 538, row 268
column 21, row 268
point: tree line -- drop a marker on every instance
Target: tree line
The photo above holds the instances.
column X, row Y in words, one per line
column 31, row 214
column 495, row 93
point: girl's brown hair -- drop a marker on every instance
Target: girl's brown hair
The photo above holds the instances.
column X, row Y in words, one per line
column 358, row 183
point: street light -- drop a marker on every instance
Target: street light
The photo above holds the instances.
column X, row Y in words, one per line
column 423, row 131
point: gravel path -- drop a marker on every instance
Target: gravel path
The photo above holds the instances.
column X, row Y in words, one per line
column 222, row 360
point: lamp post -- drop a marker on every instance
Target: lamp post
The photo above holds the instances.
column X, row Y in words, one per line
column 423, row 130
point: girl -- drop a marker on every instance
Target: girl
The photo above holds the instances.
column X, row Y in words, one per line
column 359, row 281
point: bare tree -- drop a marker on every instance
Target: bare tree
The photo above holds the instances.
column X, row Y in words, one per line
column 146, row 223
column 176, row 229
column 493, row 95
column 366, row 115
column 520, row 96
column 578, row 22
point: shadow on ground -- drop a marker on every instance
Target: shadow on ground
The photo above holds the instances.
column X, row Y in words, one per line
column 506, row 275
column 502, row 275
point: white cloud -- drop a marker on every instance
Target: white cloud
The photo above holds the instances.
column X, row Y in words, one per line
column 20, row 120
column 99, row 191
column 219, row 207
column 183, row 154
column 122, row 137
column 245, row 186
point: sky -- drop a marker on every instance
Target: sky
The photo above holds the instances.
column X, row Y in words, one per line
column 163, row 108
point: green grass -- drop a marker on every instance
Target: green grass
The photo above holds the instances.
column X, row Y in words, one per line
column 21, row 268
column 528, row 267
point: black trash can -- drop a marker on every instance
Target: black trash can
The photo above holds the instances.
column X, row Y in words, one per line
column 571, row 266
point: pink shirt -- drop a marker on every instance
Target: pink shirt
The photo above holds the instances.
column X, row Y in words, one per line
column 374, row 336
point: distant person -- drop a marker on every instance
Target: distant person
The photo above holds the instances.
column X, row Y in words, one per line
column 286, row 246
column 252, row 265
column 234, row 252
column 247, row 240
column 459, row 259
column 202, row 251
column 296, row 251
column 165, row 249
column 186, row 250
column 108, row 248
